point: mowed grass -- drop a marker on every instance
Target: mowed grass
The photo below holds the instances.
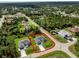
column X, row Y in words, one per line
column 48, row 43
column 55, row 54
column 61, row 39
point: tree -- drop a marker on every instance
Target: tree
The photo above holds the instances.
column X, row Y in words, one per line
column 77, row 33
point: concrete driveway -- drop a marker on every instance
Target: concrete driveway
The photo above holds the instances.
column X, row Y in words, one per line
column 41, row 47
column 23, row 53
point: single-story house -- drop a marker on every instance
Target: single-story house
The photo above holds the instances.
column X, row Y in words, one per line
column 40, row 39
column 65, row 35
column 21, row 45
column 37, row 41
column 27, row 43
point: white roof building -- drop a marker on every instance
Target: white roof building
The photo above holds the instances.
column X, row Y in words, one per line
column 63, row 33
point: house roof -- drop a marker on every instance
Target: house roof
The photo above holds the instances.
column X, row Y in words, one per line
column 63, row 33
column 27, row 42
column 40, row 39
column 74, row 29
column 21, row 46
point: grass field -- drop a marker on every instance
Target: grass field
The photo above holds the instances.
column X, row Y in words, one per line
column 55, row 54
column 60, row 39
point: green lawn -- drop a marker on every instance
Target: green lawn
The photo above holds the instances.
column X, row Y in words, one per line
column 48, row 43
column 61, row 39
column 55, row 54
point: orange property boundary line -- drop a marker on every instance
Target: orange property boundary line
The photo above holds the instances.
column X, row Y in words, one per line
column 48, row 38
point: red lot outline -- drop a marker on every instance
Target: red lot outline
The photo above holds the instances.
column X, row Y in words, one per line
column 45, row 36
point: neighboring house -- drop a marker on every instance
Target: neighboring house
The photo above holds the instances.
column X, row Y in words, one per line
column 27, row 43
column 63, row 33
column 21, row 45
column 74, row 29
column 24, row 43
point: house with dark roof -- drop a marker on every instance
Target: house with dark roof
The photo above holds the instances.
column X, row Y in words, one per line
column 24, row 43
column 27, row 43
column 40, row 39
column 37, row 41
column 21, row 46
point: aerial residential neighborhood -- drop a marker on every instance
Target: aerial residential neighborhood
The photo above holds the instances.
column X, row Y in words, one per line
column 39, row 30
